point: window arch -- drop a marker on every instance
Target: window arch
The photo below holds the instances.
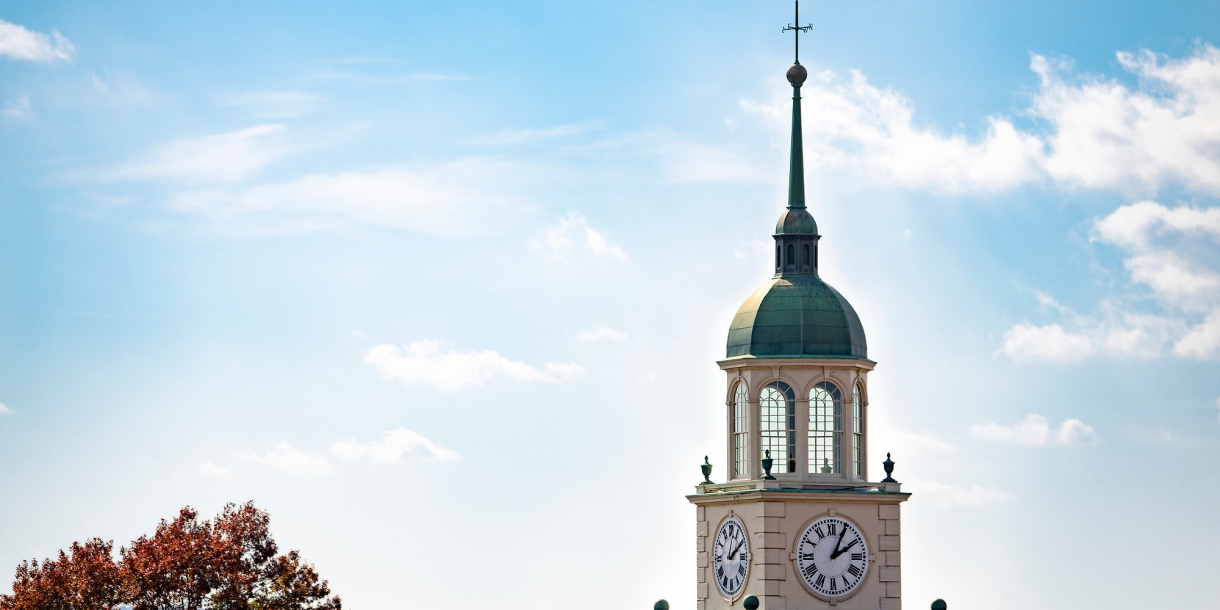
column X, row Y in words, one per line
column 791, row 262
column 777, row 419
column 740, row 428
column 805, row 255
column 777, row 250
column 825, row 425
column 857, row 430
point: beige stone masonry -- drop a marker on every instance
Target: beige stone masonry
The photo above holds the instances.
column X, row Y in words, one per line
column 893, row 558
column 890, row 574
column 889, row 543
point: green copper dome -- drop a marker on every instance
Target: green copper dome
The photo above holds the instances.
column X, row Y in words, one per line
column 799, row 316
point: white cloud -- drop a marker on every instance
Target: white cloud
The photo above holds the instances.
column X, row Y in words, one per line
column 395, row 445
column 5, row 410
column 974, row 496
column 1100, row 133
column 19, row 108
column 288, row 460
column 1035, row 431
column 16, row 42
column 687, row 163
column 226, row 157
column 559, row 242
column 424, row 363
column 210, row 470
column 1026, row 343
column 1171, row 255
column 600, row 333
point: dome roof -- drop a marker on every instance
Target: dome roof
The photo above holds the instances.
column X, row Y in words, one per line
column 797, row 316
column 796, row 221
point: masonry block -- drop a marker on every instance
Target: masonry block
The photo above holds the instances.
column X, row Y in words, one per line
column 701, row 528
column 701, row 560
column 891, row 527
column 890, row 574
column 893, row 589
column 887, row 511
column 772, row 540
column 772, row 509
column 889, row 543
column 701, row 590
column 771, row 587
column 769, row 556
column 772, row 571
column 893, row 558
column 891, row 603
column 700, row 513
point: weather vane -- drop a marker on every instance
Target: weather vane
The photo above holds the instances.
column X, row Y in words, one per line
column 797, row 29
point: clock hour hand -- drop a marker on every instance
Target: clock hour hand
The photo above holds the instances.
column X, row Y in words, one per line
column 844, row 549
column 842, row 533
column 735, row 549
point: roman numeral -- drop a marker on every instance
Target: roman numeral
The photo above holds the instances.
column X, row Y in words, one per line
column 831, row 527
column 820, row 581
column 854, row 571
column 833, row 585
column 819, row 532
column 741, row 570
column 720, row 571
column 725, row 583
column 807, row 556
column 857, row 556
column 809, row 571
column 745, row 556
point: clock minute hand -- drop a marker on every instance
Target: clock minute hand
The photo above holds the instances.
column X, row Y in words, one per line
column 838, row 542
column 844, row 549
column 735, row 549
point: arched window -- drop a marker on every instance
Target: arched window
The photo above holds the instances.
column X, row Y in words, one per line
column 740, row 427
column 857, row 430
column 777, row 249
column 805, row 254
column 825, row 424
column 791, row 262
column 777, row 416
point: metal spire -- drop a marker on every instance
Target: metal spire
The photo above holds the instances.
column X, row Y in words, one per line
column 797, row 75
column 796, row 31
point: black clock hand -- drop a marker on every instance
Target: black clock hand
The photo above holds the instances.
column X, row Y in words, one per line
column 844, row 549
column 842, row 533
column 735, row 549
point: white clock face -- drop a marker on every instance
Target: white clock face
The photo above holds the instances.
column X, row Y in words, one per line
column 832, row 557
column 731, row 557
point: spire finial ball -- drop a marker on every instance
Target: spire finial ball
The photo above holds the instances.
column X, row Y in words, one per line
column 797, row 74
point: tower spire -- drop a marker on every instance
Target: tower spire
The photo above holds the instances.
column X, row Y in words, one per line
column 797, row 75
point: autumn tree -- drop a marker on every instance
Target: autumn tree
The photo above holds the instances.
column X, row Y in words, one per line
column 187, row 564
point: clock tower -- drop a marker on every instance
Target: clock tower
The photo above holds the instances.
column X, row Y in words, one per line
column 798, row 524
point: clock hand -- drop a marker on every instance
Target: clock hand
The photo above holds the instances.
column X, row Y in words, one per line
column 735, row 549
column 844, row 549
column 835, row 553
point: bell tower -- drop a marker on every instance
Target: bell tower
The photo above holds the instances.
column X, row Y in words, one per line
column 798, row 524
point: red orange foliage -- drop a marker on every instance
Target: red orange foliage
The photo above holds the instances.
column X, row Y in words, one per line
column 226, row 564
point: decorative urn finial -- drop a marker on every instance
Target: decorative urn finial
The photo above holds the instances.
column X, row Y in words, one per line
column 940, row 605
column 767, row 461
column 661, row 605
column 750, row 603
column 888, row 464
column 706, row 467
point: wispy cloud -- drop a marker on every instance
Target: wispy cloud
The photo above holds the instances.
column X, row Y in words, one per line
column 425, row 363
column 600, row 333
column 5, row 410
column 1035, row 431
column 559, row 242
column 507, row 137
column 393, row 447
column 288, row 460
column 19, row 108
column 1172, row 255
column 226, row 157
column 16, row 42
column 210, row 470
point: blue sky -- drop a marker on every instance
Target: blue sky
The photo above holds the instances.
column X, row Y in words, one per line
column 431, row 281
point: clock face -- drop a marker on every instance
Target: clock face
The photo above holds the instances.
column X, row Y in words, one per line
column 832, row 557
column 731, row 557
